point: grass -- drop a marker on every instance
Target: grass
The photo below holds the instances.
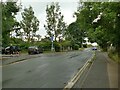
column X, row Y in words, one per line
column 114, row 56
column 81, row 49
column 24, row 52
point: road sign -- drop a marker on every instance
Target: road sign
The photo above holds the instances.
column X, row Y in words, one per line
column 52, row 38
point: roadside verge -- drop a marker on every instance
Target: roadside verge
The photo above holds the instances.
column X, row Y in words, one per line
column 18, row 59
column 113, row 73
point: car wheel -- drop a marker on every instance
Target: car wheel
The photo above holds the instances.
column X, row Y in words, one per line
column 29, row 53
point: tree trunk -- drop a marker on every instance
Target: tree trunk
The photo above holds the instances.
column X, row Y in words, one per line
column 28, row 36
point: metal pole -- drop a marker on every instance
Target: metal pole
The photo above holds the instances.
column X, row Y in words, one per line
column 52, row 47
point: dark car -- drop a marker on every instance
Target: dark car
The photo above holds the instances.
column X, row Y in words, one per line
column 94, row 48
column 3, row 50
column 34, row 50
column 7, row 50
column 12, row 50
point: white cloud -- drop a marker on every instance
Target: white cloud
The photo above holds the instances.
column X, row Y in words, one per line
column 68, row 17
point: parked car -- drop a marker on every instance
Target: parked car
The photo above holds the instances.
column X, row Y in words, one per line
column 34, row 50
column 94, row 48
column 7, row 50
column 12, row 50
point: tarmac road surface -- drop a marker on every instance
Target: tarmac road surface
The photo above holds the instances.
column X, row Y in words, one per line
column 46, row 71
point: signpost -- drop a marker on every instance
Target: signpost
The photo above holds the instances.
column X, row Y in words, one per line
column 52, row 48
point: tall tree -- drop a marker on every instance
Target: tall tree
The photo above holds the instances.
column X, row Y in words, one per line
column 9, row 10
column 30, row 24
column 17, row 29
column 102, row 20
column 38, row 37
column 75, row 34
column 111, row 16
column 55, row 23
column 35, row 26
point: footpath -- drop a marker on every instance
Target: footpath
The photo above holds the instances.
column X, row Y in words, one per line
column 9, row 59
column 103, row 73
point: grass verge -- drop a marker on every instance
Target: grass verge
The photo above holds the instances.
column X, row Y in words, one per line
column 114, row 57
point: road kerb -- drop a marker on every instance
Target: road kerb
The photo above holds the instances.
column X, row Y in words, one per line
column 72, row 82
column 19, row 60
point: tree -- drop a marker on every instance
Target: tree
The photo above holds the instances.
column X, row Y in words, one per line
column 75, row 34
column 35, row 27
column 39, row 37
column 111, row 16
column 17, row 29
column 102, row 21
column 55, row 24
column 30, row 23
column 9, row 10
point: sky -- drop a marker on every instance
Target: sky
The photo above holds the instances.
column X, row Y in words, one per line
column 67, row 7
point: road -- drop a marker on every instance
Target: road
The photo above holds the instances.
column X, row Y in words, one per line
column 47, row 71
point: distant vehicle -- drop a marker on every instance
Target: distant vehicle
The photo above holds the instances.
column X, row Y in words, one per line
column 12, row 50
column 34, row 50
column 94, row 48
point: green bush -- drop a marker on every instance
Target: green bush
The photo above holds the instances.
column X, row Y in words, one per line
column 45, row 45
column 57, row 46
column 85, row 45
column 66, row 44
column 112, row 53
column 75, row 47
column 24, row 46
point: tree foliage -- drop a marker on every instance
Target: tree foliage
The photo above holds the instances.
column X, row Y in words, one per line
column 9, row 10
column 75, row 34
column 54, row 19
column 102, row 22
column 30, row 24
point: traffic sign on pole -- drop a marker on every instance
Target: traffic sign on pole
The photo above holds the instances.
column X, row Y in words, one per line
column 52, row 38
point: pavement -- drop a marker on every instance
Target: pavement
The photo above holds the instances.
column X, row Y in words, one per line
column 9, row 59
column 103, row 73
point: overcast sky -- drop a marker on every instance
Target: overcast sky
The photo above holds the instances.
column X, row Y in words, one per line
column 68, row 7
